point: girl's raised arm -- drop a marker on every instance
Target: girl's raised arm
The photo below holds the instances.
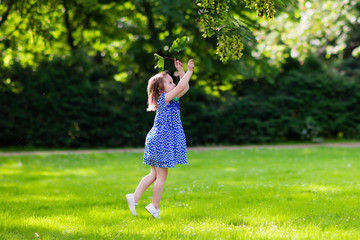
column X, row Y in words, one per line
column 179, row 67
column 183, row 83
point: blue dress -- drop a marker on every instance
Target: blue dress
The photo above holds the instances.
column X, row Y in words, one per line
column 165, row 144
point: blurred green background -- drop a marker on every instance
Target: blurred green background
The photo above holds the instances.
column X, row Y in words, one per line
column 73, row 74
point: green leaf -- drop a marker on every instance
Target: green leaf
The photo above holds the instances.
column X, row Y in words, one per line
column 179, row 44
column 160, row 62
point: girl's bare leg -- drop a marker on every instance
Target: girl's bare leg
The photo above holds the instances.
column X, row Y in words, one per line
column 145, row 183
column 161, row 174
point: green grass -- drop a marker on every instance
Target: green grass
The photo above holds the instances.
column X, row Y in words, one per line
column 310, row 193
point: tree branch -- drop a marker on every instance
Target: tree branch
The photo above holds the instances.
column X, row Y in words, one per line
column 6, row 14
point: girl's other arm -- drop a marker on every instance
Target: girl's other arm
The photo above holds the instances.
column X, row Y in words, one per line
column 179, row 68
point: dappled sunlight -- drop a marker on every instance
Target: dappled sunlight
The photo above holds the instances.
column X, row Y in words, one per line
column 325, row 189
column 66, row 172
column 91, row 220
column 58, row 223
column 9, row 171
column 10, row 168
column 108, row 216
column 42, row 198
column 231, row 169
column 17, row 168
column 322, row 188
column 11, row 164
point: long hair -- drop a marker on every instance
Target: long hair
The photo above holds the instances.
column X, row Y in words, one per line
column 154, row 89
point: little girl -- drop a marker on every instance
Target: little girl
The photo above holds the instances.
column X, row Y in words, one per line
column 165, row 143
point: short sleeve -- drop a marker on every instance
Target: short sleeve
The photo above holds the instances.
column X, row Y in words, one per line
column 161, row 101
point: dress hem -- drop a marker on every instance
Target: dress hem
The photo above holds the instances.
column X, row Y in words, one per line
column 162, row 166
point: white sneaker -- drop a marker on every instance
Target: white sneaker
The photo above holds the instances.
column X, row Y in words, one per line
column 131, row 202
column 152, row 210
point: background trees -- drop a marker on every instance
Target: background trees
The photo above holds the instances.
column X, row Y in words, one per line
column 74, row 73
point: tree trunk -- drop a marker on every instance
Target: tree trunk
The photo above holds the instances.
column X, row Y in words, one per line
column 151, row 25
column 69, row 38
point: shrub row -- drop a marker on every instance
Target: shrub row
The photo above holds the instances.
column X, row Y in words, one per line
column 74, row 102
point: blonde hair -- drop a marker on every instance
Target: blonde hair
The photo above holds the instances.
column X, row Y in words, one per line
column 154, row 89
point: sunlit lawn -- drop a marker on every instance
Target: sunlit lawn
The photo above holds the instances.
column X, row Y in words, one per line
column 235, row 194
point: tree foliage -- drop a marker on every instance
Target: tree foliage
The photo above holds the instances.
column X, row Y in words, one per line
column 55, row 27
column 216, row 18
column 178, row 45
column 326, row 28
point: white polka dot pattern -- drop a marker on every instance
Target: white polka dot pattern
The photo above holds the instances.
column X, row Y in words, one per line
column 165, row 144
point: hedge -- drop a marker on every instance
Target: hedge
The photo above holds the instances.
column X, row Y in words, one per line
column 74, row 102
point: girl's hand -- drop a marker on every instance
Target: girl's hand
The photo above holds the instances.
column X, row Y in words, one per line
column 191, row 65
column 178, row 65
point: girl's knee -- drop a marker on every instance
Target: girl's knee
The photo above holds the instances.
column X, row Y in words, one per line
column 161, row 172
column 153, row 173
column 161, row 176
